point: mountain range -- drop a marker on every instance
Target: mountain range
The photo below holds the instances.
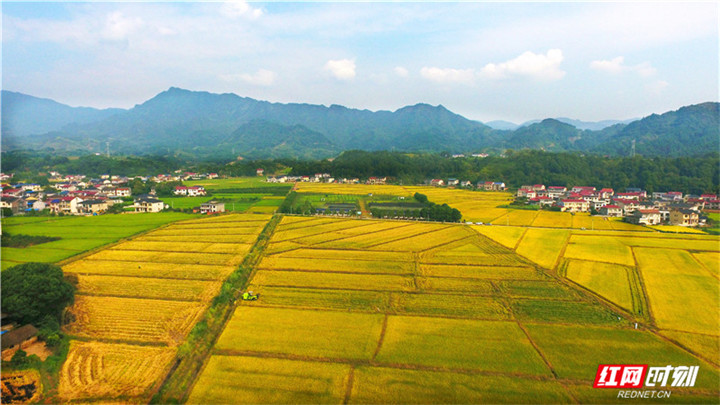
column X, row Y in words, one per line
column 203, row 124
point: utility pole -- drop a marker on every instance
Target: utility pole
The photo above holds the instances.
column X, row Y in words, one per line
column 107, row 148
column 632, row 148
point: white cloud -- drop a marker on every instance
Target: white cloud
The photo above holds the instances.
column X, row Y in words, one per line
column 448, row 75
column 401, row 71
column 538, row 66
column 614, row 65
column 657, row 87
column 342, row 69
column 617, row 66
column 240, row 8
column 262, row 77
column 118, row 27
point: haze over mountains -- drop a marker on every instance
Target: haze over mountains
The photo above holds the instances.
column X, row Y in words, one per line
column 203, row 124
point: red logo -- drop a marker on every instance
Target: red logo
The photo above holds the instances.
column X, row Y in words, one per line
column 620, row 376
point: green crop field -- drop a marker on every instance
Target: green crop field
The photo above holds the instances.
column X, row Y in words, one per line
column 77, row 234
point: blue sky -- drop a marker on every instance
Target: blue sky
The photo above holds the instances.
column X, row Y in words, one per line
column 486, row 61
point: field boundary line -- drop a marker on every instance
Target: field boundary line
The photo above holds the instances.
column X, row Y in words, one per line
column 152, row 343
column 349, row 385
column 643, row 289
column 703, row 266
column 382, row 337
column 409, row 273
column 683, row 347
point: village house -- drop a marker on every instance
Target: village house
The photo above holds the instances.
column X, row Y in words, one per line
column 526, row 193
column 260, row 172
column 16, row 339
column 118, row 192
column 193, row 191
column 69, row 205
column 580, row 189
column 541, row 201
column 212, row 207
column 437, row 182
column 573, row 205
column 556, row 191
column 377, row 180
column 93, row 206
column 645, row 217
column 15, row 204
column 466, row 183
column 148, row 204
column 713, row 204
column 611, row 210
column 453, row 182
column 684, row 217
column 606, row 193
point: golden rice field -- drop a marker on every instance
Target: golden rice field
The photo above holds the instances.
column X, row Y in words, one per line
column 112, row 371
column 543, row 246
column 607, row 280
column 599, row 249
column 362, row 312
column 680, row 290
column 136, row 302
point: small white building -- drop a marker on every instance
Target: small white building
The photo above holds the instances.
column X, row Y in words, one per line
column 148, row 204
column 212, row 207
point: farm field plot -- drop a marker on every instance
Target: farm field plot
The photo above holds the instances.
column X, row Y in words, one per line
column 576, row 351
column 543, row 246
column 507, row 236
column 619, row 225
column 677, row 229
column 680, row 290
column 359, row 255
column 166, row 257
column 110, row 371
column 133, row 319
column 347, row 266
column 600, row 249
column 378, row 282
column 672, row 243
column 352, row 189
column 447, row 305
column 280, row 381
column 377, row 238
column 77, row 234
column 328, row 334
column 460, row 343
column 557, row 311
column 481, row 272
column 148, row 287
column 148, row 269
column 517, row 218
column 146, row 293
column 707, row 346
column 427, row 241
column 607, row 280
column 381, row 385
column 363, row 301
column 711, row 261
column 446, row 324
column 551, row 219
column 585, row 221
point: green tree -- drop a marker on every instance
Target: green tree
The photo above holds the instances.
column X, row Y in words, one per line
column 33, row 291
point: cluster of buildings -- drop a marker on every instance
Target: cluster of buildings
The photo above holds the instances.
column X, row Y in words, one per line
column 481, row 185
column 635, row 205
column 322, row 178
column 79, row 195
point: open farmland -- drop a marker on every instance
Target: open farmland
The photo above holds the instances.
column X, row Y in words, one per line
column 78, row 234
column 362, row 313
column 137, row 301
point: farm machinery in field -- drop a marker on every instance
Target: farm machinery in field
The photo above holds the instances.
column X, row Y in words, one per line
column 249, row 296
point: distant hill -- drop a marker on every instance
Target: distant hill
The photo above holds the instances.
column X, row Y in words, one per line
column 24, row 115
column 593, row 126
column 502, row 125
column 204, row 124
